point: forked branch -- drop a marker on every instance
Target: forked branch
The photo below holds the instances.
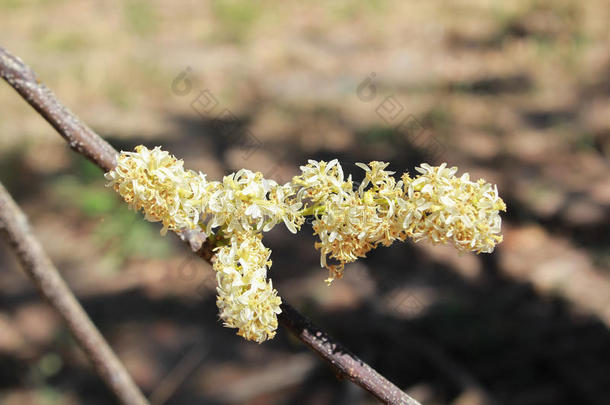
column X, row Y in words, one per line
column 85, row 141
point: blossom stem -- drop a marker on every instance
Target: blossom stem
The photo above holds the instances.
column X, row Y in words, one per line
column 313, row 210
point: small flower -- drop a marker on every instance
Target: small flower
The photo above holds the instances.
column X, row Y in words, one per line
column 321, row 179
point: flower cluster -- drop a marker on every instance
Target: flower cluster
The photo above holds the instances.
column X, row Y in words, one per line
column 434, row 206
column 246, row 300
column 349, row 221
column 155, row 182
column 238, row 209
column 442, row 208
column 245, row 201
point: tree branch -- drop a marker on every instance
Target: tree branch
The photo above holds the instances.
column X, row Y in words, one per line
column 40, row 269
column 79, row 136
column 86, row 142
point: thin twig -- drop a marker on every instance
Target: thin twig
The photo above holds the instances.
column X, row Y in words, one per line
column 42, row 272
column 86, row 142
column 341, row 359
column 172, row 381
column 79, row 136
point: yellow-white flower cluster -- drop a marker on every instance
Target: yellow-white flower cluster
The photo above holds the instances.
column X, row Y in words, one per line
column 155, row 182
column 245, row 201
column 442, row 208
column 349, row 222
column 435, row 206
column 246, row 300
column 241, row 206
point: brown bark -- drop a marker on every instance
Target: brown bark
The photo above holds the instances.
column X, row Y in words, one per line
column 39, row 268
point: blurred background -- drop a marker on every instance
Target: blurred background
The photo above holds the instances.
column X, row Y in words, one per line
column 515, row 92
